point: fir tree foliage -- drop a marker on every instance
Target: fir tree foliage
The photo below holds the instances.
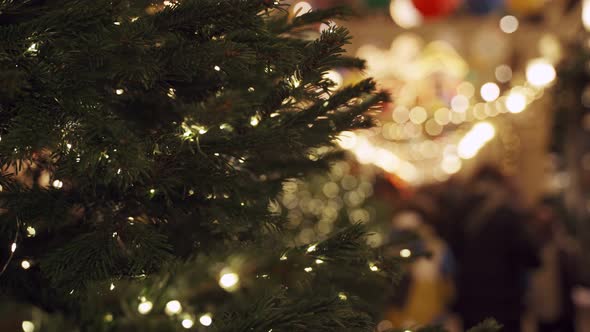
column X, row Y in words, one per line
column 142, row 148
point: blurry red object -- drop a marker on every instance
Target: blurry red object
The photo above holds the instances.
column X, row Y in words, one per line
column 436, row 8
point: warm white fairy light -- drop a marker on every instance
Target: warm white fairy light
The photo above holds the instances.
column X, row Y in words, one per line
column 312, row 248
column 373, row 267
column 302, row 7
column 254, row 121
column 145, row 306
column 25, row 264
column 516, row 102
column 475, row 139
column 31, row 232
column 112, row 286
column 229, row 280
column 217, row 68
column 119, row 91
column 490, row 91
column 173, row 307
column 405, row 253
column 187, row 323
column 206, row 319
column 405, row 14
column 33, row 48
column 540, row 73
column 586, row 14
column 319, row 261
column 342, row 296
column 57, row 184
column 28, row 326
column 13, row 247
column 509, row 24
column 308, row 269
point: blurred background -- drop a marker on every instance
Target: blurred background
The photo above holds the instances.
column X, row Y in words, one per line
column 478, row 171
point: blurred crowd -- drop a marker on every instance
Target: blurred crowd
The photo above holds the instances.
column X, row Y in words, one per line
column 487, row 254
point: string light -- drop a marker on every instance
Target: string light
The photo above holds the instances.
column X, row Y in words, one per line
column 301, row 8
column 206, row 319
column 490, row 91
column 254, row 121
column 405, row 253
column 217, row 68
column 516, row 102
column 586, row 14
column 229, row 281
column 57, row 184
column 540, row 73
column 31, row 232
column 145, row 306
column 119, row 91
column 373, row 267
column 13, row 247
column 319, row 261
column 405, row 14
column 509, row 24
column 475, row 139
column 308, row 269
column 28, row 326
column 173, row 307
column 112, row 286
column 187, row 323
column 312, row 248
column 25, row 264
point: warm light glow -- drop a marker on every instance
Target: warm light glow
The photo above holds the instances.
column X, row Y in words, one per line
column 28, row 326
column 490, row 91
column 335, row 77
column 451, row 164
column 187, row 323
column 540, row 73
column 347, row 140
column 254, row 121
column 301, row 8
column 216, row 68
column 13, row 247
column 475, row 139
column 516, row 102
column 25, row 264
column 509, row 24
column 312, row 248
column 503, row 73
column 145, row 307
column 31, row 231
column 308, row 269
column 229, row 281
column 405, row 253
column 319, row 261
column 173, row 307
column 57, row 184
column 466, row 89
column 112, row 286
column 405, row 14
column 206, row 319
column 459, row 103
column 586, row 14
column 418, row 115
column 373, row 267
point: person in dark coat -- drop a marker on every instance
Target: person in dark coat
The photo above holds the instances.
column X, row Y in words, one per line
column 493, row 252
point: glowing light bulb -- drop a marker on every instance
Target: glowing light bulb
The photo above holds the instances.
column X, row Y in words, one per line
column 112, row 286
column 540, row 73
column 31, row 231
column 451, row 164
column 312, row 248
column 254, row 121
column 405, row 253
column 586, row 14
column 319, row 261
column 57, row 184
column 490, row 91
column 405, row 14
column 206, row 319
column 308, row 269
column 342, row 296
column 13, row 247
column 145, row 307
column 25, row 264
column 509, row 24
column 302, row 7
column 516, row 102
column 119, row 91
column 28, row 326
column 503, row 73
column 373, row 267
column 229, row 281
column 187, row 323
column 173, row 307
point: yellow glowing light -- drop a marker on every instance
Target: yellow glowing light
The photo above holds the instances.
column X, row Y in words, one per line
column 516, row 102
column 57, row 184
column 171, row 93
column 451, row 164
column 308, row 269
column 466, row 89
column 145, row 307
column 319, row 261
column 405, row 253
column 28, row 326
column 33, row 48
column 373, row 267
column 229, row 281
column 13, row 247
column 301, row 8
column 442, row 116
column 25, row 264
column 405, row 14
column 312, row 248
column 342, row 296
column 173, row 307
column 509, row 24
column 418, row 115
column 31, row 231
column 459, row 103
column 119, row 91
column 540, row 72
column 490, row 91
column 335, row 77
column 586, row 14
column 347, row 140
column 112, row 286
column 254, row 121
column 206, row 319
column 503, row 73
column 187, row 323
column 475, row 139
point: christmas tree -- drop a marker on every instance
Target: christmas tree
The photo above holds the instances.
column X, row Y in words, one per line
column 143, row 147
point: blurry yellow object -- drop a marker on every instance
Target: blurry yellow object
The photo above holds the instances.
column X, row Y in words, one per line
column 440, row 56
column 525, row 7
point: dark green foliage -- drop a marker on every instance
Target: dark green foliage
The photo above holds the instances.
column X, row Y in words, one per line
column 143, row 144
